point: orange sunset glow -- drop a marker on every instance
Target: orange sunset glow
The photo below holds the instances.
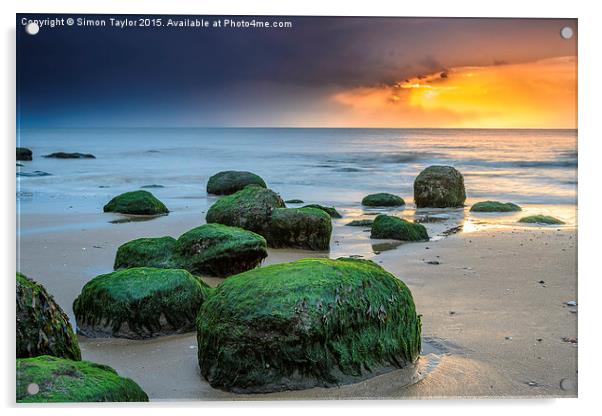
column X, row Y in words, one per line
column 524, row 95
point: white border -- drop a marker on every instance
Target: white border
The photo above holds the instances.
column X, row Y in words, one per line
column 590, row 201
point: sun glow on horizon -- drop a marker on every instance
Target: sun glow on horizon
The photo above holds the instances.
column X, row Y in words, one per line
column 539, row 94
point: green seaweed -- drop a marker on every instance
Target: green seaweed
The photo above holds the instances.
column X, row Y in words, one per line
column 494, row 206
column 304, row 228
column 137, row 203
column 312, row 322
column 294, row 201
column 360, row 223
column 219, row 250
column 60, row 381
column 382, row 199
column 249, row 208
column 146, row 252
column 439, row 187
column 139, row 303
column 386, row 226
column 541, row 219
column 42, row 326
column 329, row 210
column 230, row 181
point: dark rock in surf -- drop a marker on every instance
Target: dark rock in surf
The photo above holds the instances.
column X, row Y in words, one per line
column 439, row 187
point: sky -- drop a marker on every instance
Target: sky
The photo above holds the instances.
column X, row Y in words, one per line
column 321, row 72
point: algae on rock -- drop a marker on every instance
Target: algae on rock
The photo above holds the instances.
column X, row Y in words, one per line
column 230, row 181
column 136, row 203
column 494, row 206
column 312, row 322
column 304, row 228
column 439, row 187
column 386, row 226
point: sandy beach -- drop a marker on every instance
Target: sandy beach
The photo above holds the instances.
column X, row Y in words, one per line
column 490, row 326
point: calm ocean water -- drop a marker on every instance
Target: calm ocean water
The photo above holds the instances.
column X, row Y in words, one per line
column 330, row 166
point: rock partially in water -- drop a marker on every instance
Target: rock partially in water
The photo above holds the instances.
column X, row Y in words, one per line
column 329, row 210
column 65, row 155
column 153, row 186
column 61, row 381
column 382, row 199
column 231, row 181
column 219, row 250
column 139, row 303
column 136, row 203
column 309, row 323
column 388, row 227
column 360, row 223
column 34, row 174
column 42, row 326
column 495, row 206
column 294, row 201
column 304, row 228
column 439, row 187
column 250, row 208
column 23, row 153
column 541, row 219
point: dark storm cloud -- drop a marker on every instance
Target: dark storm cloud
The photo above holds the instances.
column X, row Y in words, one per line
column 110, row 72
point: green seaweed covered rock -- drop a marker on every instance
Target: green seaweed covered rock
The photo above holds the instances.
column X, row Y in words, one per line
column 494, row 206
column 386, row 226
column 312, row 322
column 138, row 303
column 47, row 379
column 219, row 250
column 439, row 187
column 332, row 211
column 304, row 228
column 541, row 219
column 146, row 252
column 136, row 203
column 230, row 181
column 249, row 208
column 382, row 199
column 360, row 223
column 42, row 326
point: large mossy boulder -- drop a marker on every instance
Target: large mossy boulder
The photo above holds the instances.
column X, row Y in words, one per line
column 230, row 181
column 439, row 187
column 332, row 211
column 382, row 199
column 42, row 326
column 23, row 153
column 541, row 219
column 312, row 322
column 250, row 208
column 494, row 206
column 139, row 303
column 219, row 250
column 47, row 379
column 304, row 228
column 146, row 252
column 136, row 203
column 389, row 227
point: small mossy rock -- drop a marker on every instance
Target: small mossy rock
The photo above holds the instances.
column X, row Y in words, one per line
column 360, row 223
column 146, row 252
column 23, row 153
column 230, row 181
column 249, row 208
column 309, row 323
column 382, row 199
column 65, row 155
column 495, row 206
column 541, row 219
column 136, row 203
column 61, row 381
column 42, row 326
column 219, row 250
column 294, row 201
column 332, row 211
column 439, row 187
column 388, row 227
column 137, row 303
column 304, row 228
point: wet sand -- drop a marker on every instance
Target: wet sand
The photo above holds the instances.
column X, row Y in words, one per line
column 490, row 328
